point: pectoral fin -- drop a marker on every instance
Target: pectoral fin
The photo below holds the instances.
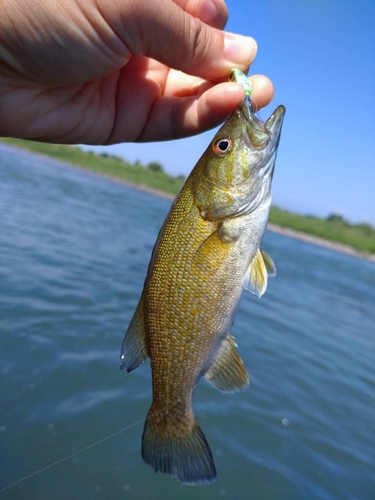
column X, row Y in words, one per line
column 216, row 248
column 133, row 349
column 260, row 269
column 227, row 373
column 269, row 263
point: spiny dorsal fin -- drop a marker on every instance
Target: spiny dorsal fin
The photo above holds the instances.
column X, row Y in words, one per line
column 227, row 373
column 133, row 349
column 260, row 269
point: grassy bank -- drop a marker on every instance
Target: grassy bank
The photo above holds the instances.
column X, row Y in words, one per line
column 334, row 228
column 109, row 165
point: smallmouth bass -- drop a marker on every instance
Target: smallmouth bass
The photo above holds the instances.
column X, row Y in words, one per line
column 207, row 251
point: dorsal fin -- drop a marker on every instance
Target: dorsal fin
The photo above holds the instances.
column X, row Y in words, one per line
column 133, row 349
column 227, row 373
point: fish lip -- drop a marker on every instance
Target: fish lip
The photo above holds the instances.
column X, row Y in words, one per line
column 275, row 122
column 260, row 134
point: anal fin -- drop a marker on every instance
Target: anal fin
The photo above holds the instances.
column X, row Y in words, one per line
column 227, row 373
column 133, row 349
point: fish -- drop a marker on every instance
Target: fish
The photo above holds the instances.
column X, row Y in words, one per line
column 206, row 253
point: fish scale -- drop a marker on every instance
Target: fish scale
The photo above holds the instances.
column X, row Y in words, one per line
column 207, row 251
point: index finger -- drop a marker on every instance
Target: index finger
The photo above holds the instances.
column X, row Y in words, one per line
column 211, row 12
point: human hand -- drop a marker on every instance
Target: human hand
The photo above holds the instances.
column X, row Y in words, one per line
column 108, row 71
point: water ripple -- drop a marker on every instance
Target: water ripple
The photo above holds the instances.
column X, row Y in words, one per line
column 74, row 254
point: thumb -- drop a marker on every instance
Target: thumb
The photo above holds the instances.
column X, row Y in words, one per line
column 163, row 31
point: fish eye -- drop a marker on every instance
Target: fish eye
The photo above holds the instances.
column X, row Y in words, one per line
column 222, row 146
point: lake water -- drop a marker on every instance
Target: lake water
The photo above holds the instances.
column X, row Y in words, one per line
column 74, row 249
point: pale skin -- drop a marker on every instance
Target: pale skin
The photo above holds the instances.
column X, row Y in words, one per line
column 109, row 71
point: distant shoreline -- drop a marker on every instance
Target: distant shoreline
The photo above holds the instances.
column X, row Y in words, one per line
column 284, row 231
column 321, row 242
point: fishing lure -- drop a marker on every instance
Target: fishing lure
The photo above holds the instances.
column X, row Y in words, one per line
column 237, row 76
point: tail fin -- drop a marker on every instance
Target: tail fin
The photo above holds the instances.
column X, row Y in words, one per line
column 188, row 458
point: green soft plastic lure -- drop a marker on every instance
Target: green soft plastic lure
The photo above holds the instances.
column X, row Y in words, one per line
column 237, row 76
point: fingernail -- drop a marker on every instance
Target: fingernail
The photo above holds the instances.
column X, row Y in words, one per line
column 239, row 50
column 207, row 11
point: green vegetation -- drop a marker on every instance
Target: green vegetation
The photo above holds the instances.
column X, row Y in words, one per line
column 153, row 177
column 333, row 228
column 155, row 166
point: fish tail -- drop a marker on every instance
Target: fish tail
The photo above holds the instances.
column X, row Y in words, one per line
column 187, row 457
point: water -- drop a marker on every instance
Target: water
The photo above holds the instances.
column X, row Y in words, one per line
column 74, row 250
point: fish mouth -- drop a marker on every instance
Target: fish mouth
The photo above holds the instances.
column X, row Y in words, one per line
column 274, row 125
column 259, row 134
column 262, row 140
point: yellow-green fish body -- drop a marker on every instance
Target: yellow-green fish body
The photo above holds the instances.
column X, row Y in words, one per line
column 206, row 253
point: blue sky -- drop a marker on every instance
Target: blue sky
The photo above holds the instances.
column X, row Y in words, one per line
column 320, row 55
